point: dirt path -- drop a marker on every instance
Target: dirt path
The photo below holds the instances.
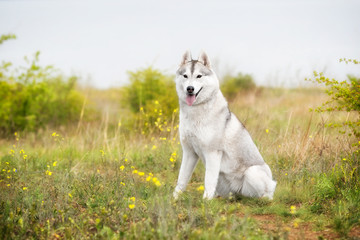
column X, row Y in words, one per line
column 275, row 226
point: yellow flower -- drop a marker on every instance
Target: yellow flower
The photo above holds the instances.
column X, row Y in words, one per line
column 22, row 151
column 150, row 174
column 54, row 164
column 131, row 206
column 125, row 160
column 156, row 102
column 153, row 147
column 25, row 156
column 141, row 173
column 148, row 178
column 122, row 183
column 54, row 134
column 119, row 124
column 200, row 188
column 267, row 130
column 70, row 195
column 132, row 199
column 24, row 188
column 135, row 171
column 122, row 167
column 157, row 183
column 292, row 209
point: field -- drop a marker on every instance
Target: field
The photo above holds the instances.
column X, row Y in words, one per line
column 111, row 178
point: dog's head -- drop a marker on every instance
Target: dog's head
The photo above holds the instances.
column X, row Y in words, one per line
column 195, row 80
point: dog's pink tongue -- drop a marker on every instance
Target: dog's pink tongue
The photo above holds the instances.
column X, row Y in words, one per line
column 190, row 99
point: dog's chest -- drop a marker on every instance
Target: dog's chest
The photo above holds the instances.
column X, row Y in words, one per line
column 200, row 134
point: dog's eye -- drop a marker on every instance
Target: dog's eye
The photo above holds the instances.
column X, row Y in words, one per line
column 185, row 76
column 198, row 76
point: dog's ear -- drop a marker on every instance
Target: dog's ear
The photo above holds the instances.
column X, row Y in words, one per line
column 204, row 59
column 186, row 58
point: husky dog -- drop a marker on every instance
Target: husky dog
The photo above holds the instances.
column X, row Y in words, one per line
column 209, row 131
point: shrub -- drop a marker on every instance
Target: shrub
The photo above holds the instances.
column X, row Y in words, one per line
column 33, row 97
column 151, row 94
column 232, row 85
column 343, row 183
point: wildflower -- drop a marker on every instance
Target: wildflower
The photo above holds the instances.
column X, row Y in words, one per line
column 153, row 147
column 14, row 170
column 125, row 216
column 25, row 156
column 293, row 209
column 122, row 167
column 132, row 199
column 200, row 188
column 150, row 174
column 344, row 159
column 54, row 134
column 141, row 173
column 141, row 109
column 119, row 124
column 54, row 164
column 135, row 171
column 122, row 183
column 157, row 183
column 22, row 151
column 131, row 206
column 267, row 130
column 8, row 185
column 24, row 188
column 148, row 178
column 70, row 195
column 102, row 153
column 125, row 160
column 156, row 102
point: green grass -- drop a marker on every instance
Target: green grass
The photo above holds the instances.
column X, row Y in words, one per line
column 96, row 180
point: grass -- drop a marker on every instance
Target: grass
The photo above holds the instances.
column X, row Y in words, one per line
column 106, row 180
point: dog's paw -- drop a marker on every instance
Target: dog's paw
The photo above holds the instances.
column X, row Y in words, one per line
column 208, row 195
column 176, row 193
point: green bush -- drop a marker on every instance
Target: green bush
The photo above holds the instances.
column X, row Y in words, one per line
column 152, row 96
column 33, row 97
column 343, row 184
column 232, row 85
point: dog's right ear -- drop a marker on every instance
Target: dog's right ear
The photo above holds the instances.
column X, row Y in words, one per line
column 186, row 58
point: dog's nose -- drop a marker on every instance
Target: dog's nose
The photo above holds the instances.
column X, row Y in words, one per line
column 190, row 89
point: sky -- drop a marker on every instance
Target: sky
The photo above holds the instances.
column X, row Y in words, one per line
column 278, row 42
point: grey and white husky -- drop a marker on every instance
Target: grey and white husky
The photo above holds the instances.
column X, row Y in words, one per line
column 209, row 131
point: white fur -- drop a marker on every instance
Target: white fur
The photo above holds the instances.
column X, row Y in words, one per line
column 209, row 131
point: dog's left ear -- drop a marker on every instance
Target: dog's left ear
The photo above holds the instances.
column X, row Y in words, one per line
column 204, row 59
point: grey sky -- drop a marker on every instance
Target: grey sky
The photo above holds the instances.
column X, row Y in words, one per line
column 278, row 42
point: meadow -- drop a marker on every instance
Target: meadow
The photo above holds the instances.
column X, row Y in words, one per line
column 112, row 177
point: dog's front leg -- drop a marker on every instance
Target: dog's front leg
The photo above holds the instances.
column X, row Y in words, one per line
column 188, row 164
column 212, row 169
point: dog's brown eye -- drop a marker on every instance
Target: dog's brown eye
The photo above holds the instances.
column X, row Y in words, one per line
column 198, row 76
column 185, row 76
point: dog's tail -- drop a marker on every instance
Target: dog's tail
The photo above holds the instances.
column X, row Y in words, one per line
column 258, row 182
